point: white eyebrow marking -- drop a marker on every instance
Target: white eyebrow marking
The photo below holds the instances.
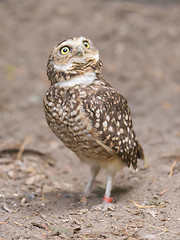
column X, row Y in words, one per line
column 71, row 41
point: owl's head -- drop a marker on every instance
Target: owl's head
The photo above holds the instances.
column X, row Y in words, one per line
column 72, row 57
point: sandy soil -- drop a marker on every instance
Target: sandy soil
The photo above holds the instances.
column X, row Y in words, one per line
column 41, row 180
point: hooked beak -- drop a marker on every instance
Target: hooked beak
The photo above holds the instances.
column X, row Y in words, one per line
column 79, row 51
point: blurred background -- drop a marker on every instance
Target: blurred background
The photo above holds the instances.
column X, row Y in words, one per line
column 139, row 44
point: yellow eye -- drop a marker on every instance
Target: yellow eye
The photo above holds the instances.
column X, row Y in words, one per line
column 64, row 50
column 86, row 44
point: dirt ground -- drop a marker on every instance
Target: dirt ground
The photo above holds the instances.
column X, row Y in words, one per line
column 41, row 180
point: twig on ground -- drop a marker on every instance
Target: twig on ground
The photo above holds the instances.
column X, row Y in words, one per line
column 22, row 147
column 167, row 230
column 162, row 192
column 141, row 206
column 172, row 168
column 40, row 225
column 18, row 224
column 146, row 207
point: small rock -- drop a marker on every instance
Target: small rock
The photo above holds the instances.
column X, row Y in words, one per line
column 23, row 201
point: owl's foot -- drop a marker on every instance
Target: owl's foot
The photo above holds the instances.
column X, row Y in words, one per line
column 105, row 206
column 108, row 207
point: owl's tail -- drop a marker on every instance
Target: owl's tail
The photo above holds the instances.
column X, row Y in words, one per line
column 140, row 152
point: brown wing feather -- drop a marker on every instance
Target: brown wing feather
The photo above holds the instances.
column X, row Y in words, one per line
column 111, row 117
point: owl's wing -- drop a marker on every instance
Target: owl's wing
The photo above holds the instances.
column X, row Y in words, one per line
column 111, row 118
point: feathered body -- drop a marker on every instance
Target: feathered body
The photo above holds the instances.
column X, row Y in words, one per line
column 86, row 112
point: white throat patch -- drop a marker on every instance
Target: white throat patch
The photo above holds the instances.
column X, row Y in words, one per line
column 85, row 79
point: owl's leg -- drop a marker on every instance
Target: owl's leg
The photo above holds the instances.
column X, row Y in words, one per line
column 107, row 196
column 106, row 205
column 93, row 174
column 108, row 188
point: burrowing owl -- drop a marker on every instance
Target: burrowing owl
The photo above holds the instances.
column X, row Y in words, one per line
column 87, row 113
